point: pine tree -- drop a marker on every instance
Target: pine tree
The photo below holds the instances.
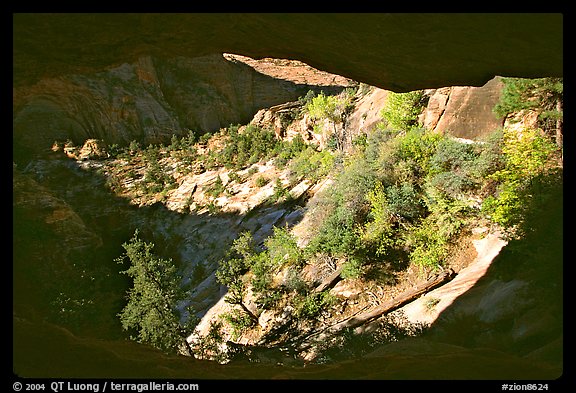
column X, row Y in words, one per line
column 151, row 308
column 543, row 95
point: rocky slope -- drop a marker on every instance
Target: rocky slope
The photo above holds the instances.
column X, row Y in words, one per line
column 87, row 202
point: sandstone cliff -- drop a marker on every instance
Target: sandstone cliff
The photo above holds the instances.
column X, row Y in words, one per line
column 150, row 100
column 460, row 111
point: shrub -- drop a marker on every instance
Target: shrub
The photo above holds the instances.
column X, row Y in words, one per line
column 346, row 207
column 336, row 235
column 404, row 158
column 305, row 100
column 175, row 143
column 352, row 268
column 188, row 141
column 402, row 109
column 209, row 345
column 231, row 269
column 156, row 179
column 418, row 146
column 377, row 234
column 283, row 249
column 331, row 108
column 240, row 322
column 375, row 140
column 294, row 282
column 234, row 176
column 490, row 158
column 246, row 148
column 311, row 164
column 404, row 200
column 134, row 147
column 261, row 267
column 310, row 306
column 216, row 188
column 452, row 184
column 360, row 141
column 505, row 209
column 280, row 249
column 527, row 155
column 261, row 181
column 427, row 243
column 252, row 171
column 448, row 214
column 280, row 193
column 204, row 138
column 452, row 156
column 287, row 150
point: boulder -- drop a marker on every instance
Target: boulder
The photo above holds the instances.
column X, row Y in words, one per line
column 464, row 111
column 92, row 149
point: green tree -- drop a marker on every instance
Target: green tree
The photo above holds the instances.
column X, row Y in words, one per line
column 527, row 155
column 311, row 164
column 543, row 95
column 209, row 346
column 402, row 109
column 232, row 268
column 245, row 148
column 282, row 248
column 335, row 110
column 152, row 301
column 341, row 209
column 377, row 234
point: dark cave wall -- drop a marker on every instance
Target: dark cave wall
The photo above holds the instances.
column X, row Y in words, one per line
column 399, row 52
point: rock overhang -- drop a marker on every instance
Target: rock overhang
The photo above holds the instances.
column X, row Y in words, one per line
column 398, row 52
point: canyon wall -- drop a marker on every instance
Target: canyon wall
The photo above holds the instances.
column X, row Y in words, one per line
column 148, row 100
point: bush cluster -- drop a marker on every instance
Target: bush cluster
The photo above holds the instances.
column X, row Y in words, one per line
column 409, row 194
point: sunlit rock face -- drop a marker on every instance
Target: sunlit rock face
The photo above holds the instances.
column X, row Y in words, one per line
column 148, row 100
column 464, row 111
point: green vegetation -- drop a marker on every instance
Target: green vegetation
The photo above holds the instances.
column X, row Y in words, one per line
column 311, row 164
column 245, row 148
column 232, row 269
column 151, row 308
column 405, row 196
column 310, row 305
column 408, row 195
column 542, row 95
column 281, row 194
column 528, row 157
column 261, row 181
column 401, row 196
column 402, row 109
column 280, row 250
column 334, row 109
column 217, row 188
